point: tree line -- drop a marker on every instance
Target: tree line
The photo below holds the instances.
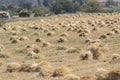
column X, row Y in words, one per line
column 59, row 7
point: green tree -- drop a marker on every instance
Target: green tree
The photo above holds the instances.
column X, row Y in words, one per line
column 25, row 4
column 19, row 10
column 11, row 6
column 76, row 7
column 64, row 6
column 3, row 7
column 41, row 11
column 91, row 6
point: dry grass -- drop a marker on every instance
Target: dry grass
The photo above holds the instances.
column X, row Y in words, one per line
column 1, row 62
column 61, row 47
column 103, row 36
column 60, row 40
column 115, row 59
column 47, row 44
column 14, row 37
column 5, row 55
column 45, row 69
column 61, row 71
column 15, row 41
column 64, row 35
column 13, row 67
column 72, row 77
column 87, row 56
column 114, row 75
column 25, row 67
column 73, row 50
column 108, row 75
column 39, row 40
column 50, row 33
column 38, row 56
column 88, row 77
column 23, row 38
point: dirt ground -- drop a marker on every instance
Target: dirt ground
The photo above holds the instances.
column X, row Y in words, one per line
column 51, row 29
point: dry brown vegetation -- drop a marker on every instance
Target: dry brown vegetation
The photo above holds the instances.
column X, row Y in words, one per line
column 61, row 47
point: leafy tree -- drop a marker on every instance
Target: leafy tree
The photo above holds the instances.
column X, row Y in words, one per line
column 19, row 10
column 63, row 6
column 11, row 6
column 41, row 11
column 76, row 7
column 3, row 7
column 25, row 4
column 91, row 6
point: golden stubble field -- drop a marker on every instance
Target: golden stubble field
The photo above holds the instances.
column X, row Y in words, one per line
column 61, row 47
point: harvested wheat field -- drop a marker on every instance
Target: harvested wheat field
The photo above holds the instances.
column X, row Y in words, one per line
column 61, row 47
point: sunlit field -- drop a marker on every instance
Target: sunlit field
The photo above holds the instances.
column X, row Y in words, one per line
column 61, row 47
